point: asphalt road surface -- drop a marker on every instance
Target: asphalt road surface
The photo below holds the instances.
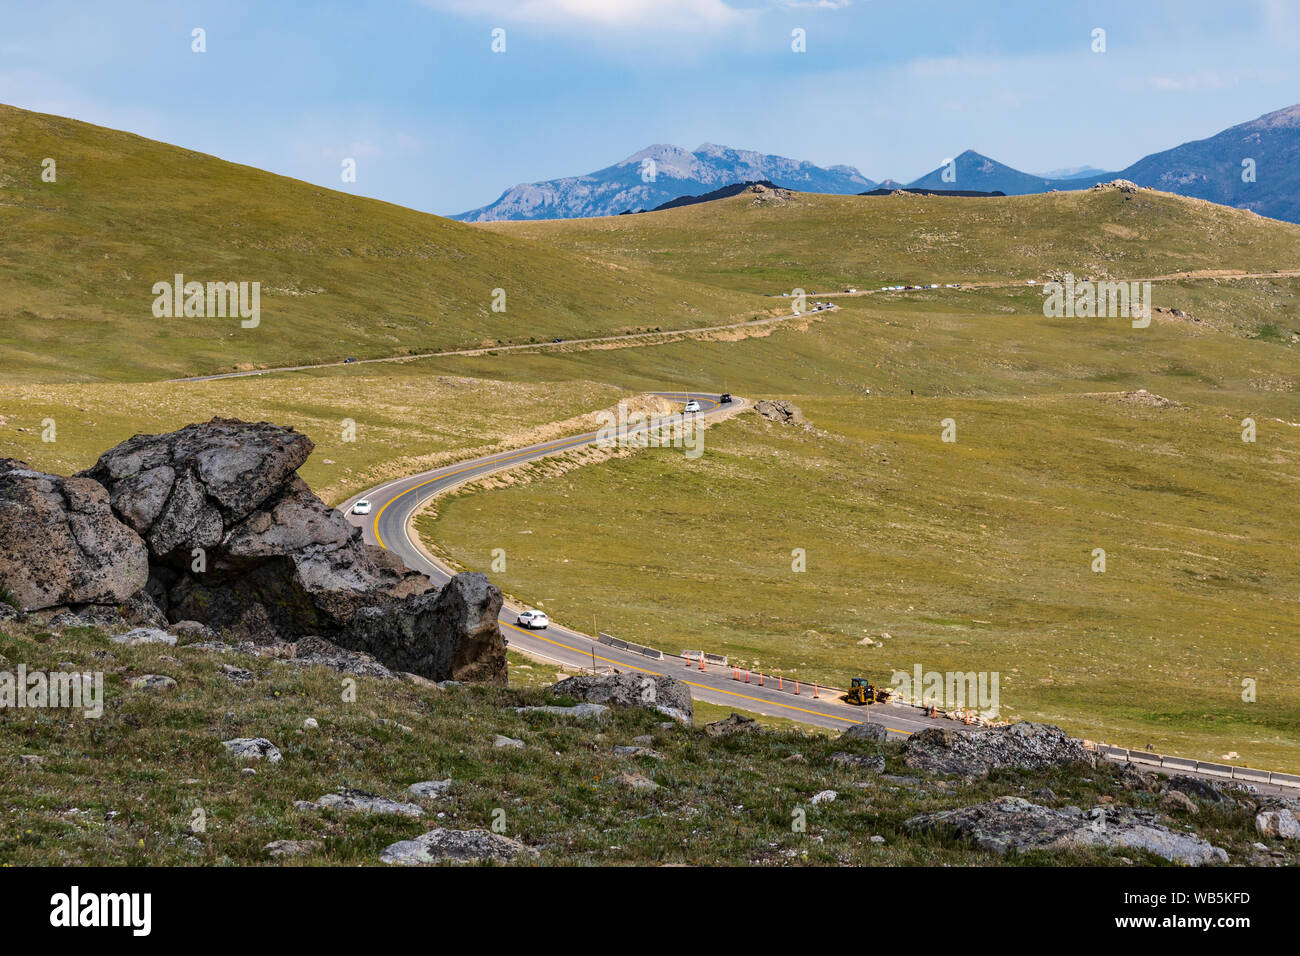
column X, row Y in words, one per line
column 393, row 505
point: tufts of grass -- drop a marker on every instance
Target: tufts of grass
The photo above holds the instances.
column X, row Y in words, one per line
column 149, row 783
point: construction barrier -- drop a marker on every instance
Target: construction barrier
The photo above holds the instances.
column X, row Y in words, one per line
column 650, row 652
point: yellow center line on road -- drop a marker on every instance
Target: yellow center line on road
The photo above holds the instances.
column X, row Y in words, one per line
column 559, row 447
column 719, row 690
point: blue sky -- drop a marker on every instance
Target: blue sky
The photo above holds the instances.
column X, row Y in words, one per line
column 435, row 120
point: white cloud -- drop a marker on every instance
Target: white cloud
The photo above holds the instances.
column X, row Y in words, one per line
column 815, row 4
column 674, row 15
column 1204, row 81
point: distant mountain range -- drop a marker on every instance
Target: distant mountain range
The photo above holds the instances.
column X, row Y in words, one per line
column 657, row 175
column 970, row 170
column 1213, row 168
column 1210, row 169
column 1072, row 172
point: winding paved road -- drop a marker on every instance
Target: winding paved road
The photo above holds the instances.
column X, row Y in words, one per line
column 395, row 504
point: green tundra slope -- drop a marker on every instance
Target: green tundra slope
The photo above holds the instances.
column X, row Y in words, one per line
column 825, row 243
column 340, row 276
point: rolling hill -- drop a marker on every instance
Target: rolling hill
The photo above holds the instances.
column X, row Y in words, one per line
column 1214, row 168
column 824, row 243
column 339, row 275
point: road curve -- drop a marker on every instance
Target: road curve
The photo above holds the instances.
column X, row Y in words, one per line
column 395, row 503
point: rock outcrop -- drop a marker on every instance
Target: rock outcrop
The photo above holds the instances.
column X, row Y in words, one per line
column 452, row 634
column 1015, row 824
column 61, row 544
column 184, row 489
column 977, row 752
column 667, row 695
column 236, row 539
column 781, row 411
column 731, row 724
column 874, row 763
column 866, row 732
column 253, row 748
column 455, row 846
column 211, row 524
column 349, row 800
column 1281, row 824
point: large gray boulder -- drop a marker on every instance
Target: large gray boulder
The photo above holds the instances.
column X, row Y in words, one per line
column 276, row 562
column 975, row 753
column 60, row 543
column 212, row 524
column 1281, row 824
column 667, row 695
column 1014, row 824
column 866, row 732
column 181, row 490
column 452, row 634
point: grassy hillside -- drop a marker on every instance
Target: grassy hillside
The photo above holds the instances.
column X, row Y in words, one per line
column 340, row 275
column 971, row 556
column 825, row 243
column 405, row 419
column 148, row 782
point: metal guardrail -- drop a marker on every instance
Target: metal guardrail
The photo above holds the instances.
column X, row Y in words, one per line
column 1144, row 758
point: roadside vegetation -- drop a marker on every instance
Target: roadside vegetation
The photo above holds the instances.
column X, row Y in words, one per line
column 149, row 782
column 971, row 556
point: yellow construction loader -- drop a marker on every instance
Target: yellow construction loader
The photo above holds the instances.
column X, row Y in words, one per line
column 862, row 691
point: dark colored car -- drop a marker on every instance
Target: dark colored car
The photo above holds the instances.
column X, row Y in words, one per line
column 726, row 398
column 348, row 361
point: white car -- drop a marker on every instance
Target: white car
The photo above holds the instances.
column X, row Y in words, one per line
column 692, row 406
column 534, row 620
column 362, row 507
